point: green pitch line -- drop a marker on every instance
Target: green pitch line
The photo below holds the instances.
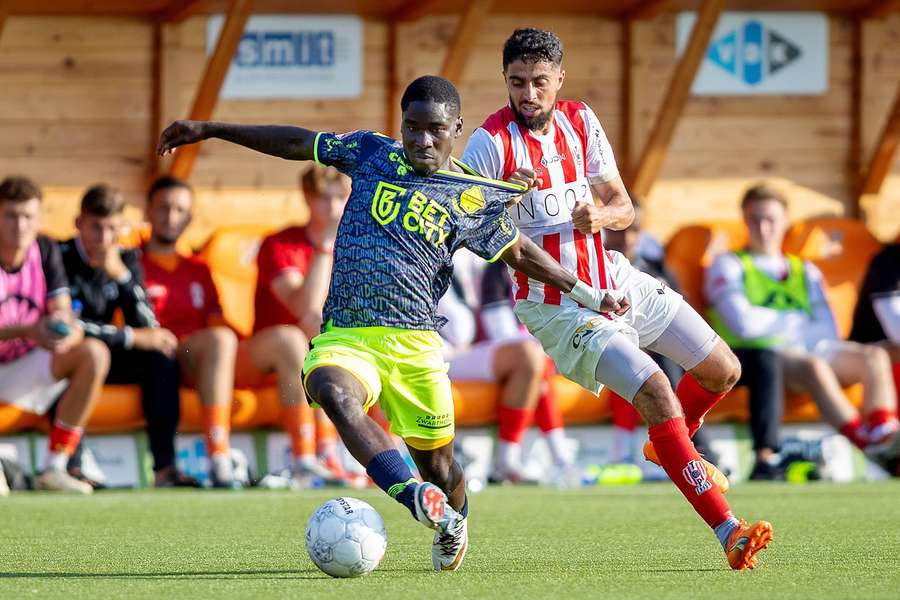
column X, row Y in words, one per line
column 832, row 541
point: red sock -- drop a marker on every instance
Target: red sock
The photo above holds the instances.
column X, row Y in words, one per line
column 855, row 432
column 880, row 416
column 686, row 470
column 547, row 415
column 512, row 423
column 897, row 383
column 64, row 438
column 623, row 414
column 696, row 401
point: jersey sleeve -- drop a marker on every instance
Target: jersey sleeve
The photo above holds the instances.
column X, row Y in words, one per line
column 54, row 271
column 725, row 276
column 483, row 155
column 342, row 151
column 490, row 231
column 601, row 163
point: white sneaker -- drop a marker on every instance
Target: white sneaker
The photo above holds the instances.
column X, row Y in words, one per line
column 60, row 481
column 433, row 510
column 512, row 476
column 449, row 548
column 221, row 472
column 4, row 487
column 314, row 469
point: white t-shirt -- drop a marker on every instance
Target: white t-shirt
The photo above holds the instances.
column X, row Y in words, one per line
column 724, row 290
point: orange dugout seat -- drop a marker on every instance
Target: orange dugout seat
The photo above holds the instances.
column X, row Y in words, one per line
column 231, row 255
column 840, row 247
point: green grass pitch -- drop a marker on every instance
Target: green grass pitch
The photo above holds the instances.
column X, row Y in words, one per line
column 831, row 541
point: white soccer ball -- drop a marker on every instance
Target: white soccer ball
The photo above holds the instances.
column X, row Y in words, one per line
column 345, row 537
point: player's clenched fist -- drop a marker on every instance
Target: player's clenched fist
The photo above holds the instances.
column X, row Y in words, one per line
column 587, row 218
column 181, row 133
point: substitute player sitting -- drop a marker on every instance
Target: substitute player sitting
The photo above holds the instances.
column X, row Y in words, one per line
column 559, row 148
column 411, row 208
column 43, row 352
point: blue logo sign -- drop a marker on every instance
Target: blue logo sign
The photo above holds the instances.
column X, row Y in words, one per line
column 753, row 52
column 286, row 49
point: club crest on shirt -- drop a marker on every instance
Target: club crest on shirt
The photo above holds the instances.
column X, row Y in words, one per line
column 385, row 203
column 470, row 201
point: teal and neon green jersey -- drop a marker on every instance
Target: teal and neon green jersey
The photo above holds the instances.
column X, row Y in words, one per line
column 392, row 258
column 787, row 294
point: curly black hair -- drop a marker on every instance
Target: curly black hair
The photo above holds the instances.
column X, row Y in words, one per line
column 532, row 45
column 433, row 88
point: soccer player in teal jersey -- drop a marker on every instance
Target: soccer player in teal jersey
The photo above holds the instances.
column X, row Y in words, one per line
column 411, row 207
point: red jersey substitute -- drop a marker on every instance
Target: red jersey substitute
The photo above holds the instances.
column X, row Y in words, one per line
column 181, row 291
column 281, row 252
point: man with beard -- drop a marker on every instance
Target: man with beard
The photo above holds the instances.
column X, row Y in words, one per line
column 411, row 207
column 559, row 150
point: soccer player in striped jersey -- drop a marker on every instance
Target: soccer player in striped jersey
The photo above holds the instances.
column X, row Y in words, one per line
column 559, row 149
column 411, row 207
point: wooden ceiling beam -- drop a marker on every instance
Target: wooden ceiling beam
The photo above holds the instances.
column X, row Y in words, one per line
column 648, row 9
column 878, row 9
column 462, row 42
column 657, row 146
column 413, row 10
column 177, row 11
column 883, row 156
column 213, row 78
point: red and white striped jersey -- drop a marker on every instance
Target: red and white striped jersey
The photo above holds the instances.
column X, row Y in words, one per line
column 564, row 159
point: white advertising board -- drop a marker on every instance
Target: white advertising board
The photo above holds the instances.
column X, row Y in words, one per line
column 754, row 53
column 291, row 56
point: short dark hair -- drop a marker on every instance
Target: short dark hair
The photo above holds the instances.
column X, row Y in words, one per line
column 167, row 182
column 434, row 89
column 102, row 200
column 762, row 191
column 532, row 45
column 18, row 188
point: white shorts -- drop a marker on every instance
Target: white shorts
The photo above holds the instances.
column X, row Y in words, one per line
column 476, row 363
column 28, row 382
column 576, row 338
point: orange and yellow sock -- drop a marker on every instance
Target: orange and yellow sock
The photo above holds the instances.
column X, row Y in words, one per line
column 217, row 425
column 299, row 423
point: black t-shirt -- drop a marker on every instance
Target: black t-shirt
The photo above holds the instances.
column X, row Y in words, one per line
column 54, row 272
column 98, row 296
column 883, row 276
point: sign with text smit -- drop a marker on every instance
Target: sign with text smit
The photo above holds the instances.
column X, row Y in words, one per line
column 289, row 56
column 761, row 53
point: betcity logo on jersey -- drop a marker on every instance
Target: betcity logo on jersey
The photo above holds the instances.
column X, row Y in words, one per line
column 422, row 216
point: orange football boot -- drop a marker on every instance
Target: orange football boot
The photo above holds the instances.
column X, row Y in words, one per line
column 745, row 542
column 712, row 471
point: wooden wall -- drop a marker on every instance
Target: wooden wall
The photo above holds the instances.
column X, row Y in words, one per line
column 76, row 108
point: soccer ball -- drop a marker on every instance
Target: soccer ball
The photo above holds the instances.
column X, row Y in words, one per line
column 345, row 537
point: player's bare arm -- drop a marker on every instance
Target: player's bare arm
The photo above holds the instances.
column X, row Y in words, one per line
column 612, row 208
column 527, row 257
column 284, row 141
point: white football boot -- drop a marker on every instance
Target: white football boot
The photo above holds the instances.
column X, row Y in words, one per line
column 60, row 481
column 449, row 547
column 433, row 510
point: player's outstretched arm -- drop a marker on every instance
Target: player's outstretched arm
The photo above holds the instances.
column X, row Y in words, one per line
column 285, row 141
column 527, row 257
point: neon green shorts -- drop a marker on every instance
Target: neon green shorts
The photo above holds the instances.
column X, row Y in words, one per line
column 402, row 369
